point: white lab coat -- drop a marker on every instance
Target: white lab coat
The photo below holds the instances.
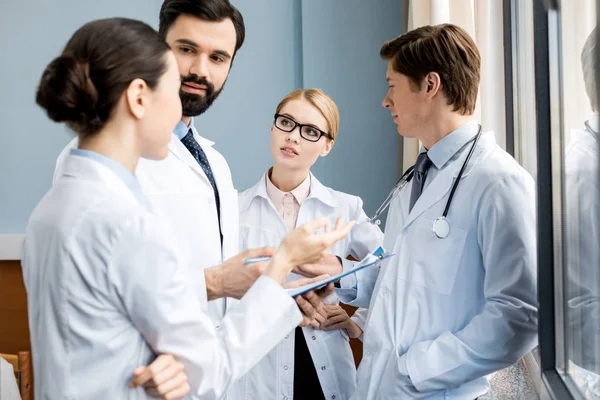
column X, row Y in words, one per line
column 107, row 290
column 262, row 225
column 447, row 312
column 179, row 191
column 8, row 385
column 582, row 225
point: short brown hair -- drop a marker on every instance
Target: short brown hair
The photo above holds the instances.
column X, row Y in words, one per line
column 445, row 49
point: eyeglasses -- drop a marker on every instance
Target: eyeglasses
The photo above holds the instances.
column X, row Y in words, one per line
column 307, row 132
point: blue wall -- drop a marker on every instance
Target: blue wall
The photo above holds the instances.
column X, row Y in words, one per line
column 331, row 44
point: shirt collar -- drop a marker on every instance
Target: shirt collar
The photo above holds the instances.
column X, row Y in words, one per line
column 181, row 129
column 441, row 152
column 317, row 191
column 123, row 173
column 300, row 193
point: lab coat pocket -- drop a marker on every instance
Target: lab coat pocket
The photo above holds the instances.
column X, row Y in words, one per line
column 433, row 262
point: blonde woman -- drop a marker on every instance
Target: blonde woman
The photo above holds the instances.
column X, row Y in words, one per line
column 310, row 363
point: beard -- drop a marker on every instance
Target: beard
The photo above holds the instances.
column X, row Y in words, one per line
column 195, row 104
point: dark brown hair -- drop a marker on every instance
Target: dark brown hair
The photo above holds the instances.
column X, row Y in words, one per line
column 445, row 49
column 208, row 10
column 83, row 85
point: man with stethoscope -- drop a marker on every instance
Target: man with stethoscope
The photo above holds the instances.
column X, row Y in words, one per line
column 458, row 301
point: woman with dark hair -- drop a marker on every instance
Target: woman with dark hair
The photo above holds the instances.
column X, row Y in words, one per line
column 106, row 289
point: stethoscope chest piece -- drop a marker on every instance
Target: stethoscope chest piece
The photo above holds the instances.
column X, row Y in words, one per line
column 441, row 227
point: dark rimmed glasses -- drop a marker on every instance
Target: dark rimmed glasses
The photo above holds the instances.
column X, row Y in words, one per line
column 307, row 132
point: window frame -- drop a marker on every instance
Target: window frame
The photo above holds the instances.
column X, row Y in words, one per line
column 556, row 382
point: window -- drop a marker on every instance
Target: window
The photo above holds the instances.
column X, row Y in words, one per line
column 568, row 177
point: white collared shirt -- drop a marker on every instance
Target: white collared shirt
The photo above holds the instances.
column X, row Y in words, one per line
column 288, row 204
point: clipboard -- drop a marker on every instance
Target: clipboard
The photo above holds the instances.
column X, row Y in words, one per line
column 371, row 260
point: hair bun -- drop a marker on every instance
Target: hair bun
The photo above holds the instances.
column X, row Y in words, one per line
column 67, row 93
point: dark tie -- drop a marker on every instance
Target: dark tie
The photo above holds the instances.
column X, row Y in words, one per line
column 194, row 148
column 421, row 166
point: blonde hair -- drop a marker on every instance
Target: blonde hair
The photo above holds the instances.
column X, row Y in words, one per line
column 321, row 102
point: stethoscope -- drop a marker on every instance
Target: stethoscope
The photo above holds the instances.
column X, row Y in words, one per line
column 441, row 226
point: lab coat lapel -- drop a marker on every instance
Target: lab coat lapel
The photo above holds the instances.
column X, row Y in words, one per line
column 439, row 188
column 179, row 150
column 433, row 193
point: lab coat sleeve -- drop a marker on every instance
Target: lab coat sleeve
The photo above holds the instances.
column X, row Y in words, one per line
column 356, row 289
column 506, row 328
column 164, row 308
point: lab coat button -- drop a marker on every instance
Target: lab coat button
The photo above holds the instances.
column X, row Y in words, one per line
column 314, row 338
column 323, row 368
column 285, row 367
column 285, row 398
column 333, row 397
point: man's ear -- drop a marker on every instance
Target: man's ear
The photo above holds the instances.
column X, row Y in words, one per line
column 433, row 84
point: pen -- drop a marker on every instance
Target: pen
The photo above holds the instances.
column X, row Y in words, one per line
column 256, row 259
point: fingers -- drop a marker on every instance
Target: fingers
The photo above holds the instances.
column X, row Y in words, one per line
column 339, row 233
column 316, row 302
column 336, row 319
column 142, row 375
column 334, row 327
column 258, row 268
column 260, row 252
column 326, row 291
column 307, row 309
column 333, row 309
column 306, row 270
column 166, row 376
column 315, row 224
column 338, row 223
column 305, row 321
column 175, row 388
column 304, row 281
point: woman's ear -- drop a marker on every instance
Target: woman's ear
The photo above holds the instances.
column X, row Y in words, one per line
column 328, row 147
column 136, row 97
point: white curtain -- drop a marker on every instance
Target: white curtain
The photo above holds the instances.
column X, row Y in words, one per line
column 482, row 19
